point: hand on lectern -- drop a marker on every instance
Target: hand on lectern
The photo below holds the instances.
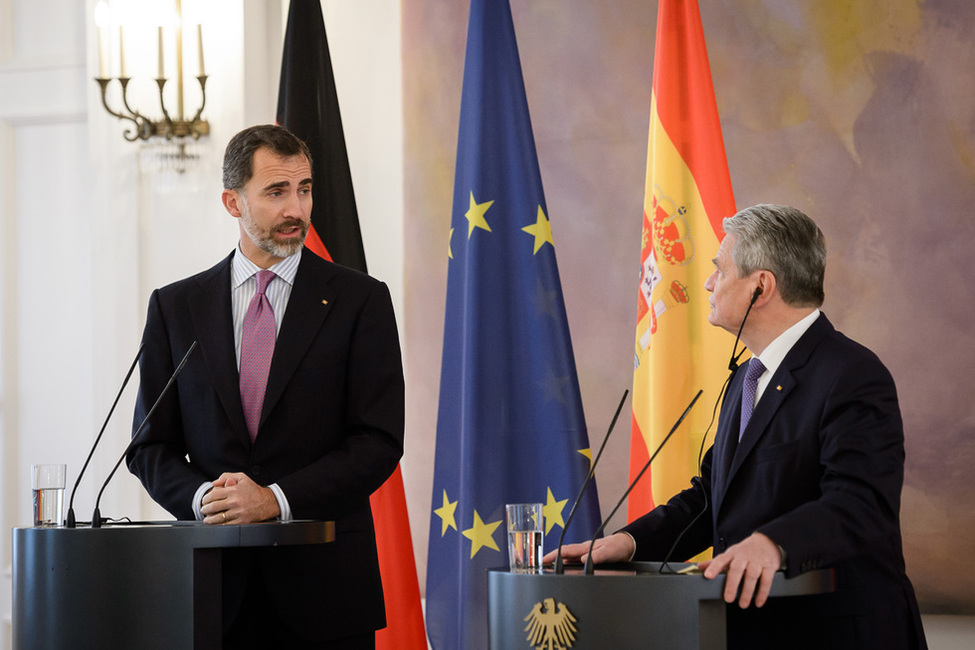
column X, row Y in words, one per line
column 237, row 499
column 750, row 563
column 615, row 548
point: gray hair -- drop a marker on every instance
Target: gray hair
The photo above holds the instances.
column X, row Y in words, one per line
column 238, row 159
column 785, row 242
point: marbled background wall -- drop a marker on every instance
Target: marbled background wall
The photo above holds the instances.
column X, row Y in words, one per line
column 862, row 114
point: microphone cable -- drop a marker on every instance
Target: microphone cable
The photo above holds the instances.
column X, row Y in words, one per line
column 699, row 480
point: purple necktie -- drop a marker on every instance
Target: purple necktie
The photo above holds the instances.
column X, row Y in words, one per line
column 256, row 350
column 748, row 392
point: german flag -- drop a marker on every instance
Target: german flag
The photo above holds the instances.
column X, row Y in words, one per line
column 308, row 106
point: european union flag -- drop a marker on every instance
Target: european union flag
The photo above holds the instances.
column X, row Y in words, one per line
column 510, row 426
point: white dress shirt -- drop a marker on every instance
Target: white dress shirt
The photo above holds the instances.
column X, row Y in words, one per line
column 243, row 285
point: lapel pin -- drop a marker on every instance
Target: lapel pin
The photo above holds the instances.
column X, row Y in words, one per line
column 778, row 388
column 325, row 302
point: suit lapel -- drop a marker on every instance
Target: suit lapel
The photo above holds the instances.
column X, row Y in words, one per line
column 310, row 303
column 775, row 393
column 212, row 315
column 782, row 383
column 726, row 440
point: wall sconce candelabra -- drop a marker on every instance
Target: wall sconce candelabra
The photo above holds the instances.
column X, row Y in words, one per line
column 171, row 128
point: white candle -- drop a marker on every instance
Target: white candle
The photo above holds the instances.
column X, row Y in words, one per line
column 121, row 53
column 101, row 20
column 162, row 67
column 102, row 72
column 199, row 47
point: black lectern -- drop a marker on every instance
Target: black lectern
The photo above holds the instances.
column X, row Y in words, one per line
column 624, row 606
column 154, row 585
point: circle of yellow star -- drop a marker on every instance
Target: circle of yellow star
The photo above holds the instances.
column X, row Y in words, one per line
column 475, row 216
column 446, row 514
column 587, row 452
column 553, row 512
column 480, row 534
column 541, row 229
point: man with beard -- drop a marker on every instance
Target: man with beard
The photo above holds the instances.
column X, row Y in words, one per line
column 292, row 408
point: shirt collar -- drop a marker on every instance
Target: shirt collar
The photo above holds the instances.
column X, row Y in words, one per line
column 242, row 269
column 773, row 355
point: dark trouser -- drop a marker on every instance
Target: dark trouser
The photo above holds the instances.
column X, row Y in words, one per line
column 259, row 626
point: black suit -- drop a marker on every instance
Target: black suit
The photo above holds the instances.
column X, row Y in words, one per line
column 330, row 434
column 819, row 470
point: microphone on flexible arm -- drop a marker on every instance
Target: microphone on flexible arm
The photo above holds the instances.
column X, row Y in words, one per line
column 96, row 517
column 70, row 523
column 559, row 567
column 733, row 364
column 589, row 563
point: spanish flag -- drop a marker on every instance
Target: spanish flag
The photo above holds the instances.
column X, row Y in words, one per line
column 687, row 194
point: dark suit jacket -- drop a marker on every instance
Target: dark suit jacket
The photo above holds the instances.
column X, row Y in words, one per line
column 330, row 434
column 819, row 470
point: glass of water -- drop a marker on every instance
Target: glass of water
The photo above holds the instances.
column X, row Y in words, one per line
column 47, row 488
column 526, row 533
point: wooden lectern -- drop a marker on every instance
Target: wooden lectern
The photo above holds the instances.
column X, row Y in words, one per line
column 148, row 586
column 621, row 606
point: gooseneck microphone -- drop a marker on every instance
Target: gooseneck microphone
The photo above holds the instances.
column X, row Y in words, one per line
column 559, row 568
column 733, row 364
column 70, row 523
column 589, row 563
column 96, row 517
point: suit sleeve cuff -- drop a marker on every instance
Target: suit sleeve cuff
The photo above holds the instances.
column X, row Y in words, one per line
column 198, row 498
column 633, row 554
column 282, row 500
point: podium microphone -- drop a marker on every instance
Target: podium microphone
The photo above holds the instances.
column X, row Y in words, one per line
column 559, row 568
column 96, row 517
column 70, row 523
column 589, row 563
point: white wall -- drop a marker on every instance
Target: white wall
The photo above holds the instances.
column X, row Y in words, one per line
column 46, row 356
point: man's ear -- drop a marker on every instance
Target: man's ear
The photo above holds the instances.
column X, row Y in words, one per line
column 766, row 286
column 231, row 201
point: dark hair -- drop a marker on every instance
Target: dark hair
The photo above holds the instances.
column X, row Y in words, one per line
column 238, row 159
column 786, row 242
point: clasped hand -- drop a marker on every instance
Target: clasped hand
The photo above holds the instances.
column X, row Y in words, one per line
column 237, row 499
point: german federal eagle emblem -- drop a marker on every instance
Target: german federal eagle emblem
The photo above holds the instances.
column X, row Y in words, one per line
column 551, row 626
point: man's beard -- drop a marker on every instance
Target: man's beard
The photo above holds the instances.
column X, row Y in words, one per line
column 264, row 239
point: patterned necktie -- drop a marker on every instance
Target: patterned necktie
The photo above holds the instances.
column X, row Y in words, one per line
column 748, row 392
column 256, row 350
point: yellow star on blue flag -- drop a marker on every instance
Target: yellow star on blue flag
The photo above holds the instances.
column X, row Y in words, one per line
column 541, row 230
column 481, row 534
column 446, row 514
